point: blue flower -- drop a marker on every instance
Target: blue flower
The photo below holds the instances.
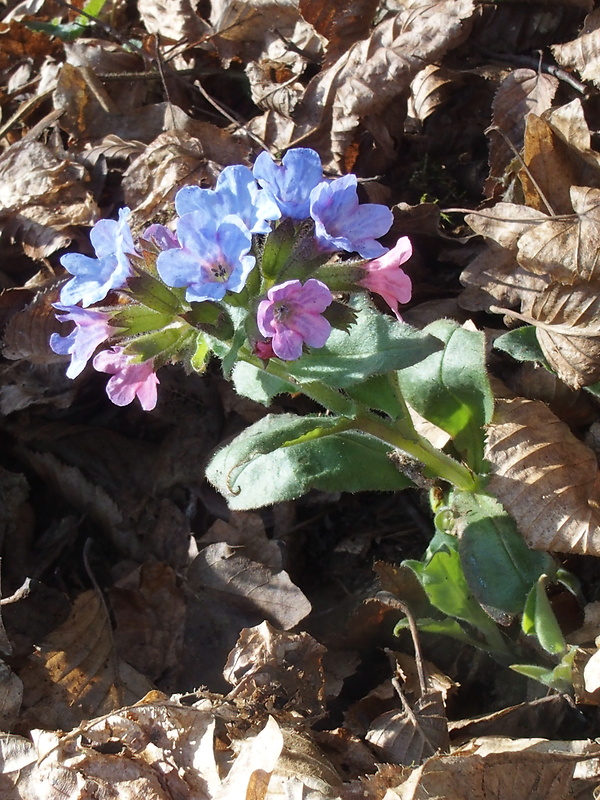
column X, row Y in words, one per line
column 213, row 257
column 291, row 183
column 91, row 329
column 341, row 223
column 236, row 193
column 95, row 277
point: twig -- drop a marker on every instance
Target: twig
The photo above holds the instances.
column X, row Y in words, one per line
column 21, row 593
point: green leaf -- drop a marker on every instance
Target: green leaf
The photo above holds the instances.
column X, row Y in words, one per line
column 446, row 627
column 560, row 678
column 162, row 345
column 154, row 294
column 277, row 249
column 499, row 567
column 377, row 393
column 259, row 385
column 539, row 619
column 374, row 345
column 443, row 579
column 283, row 456
column 451, row 389
column 201, row 354
column 134, row 319
column 522, row 344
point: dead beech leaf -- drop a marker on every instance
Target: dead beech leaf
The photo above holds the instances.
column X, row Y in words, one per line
column 566, row 247
column 411, row 735
column 149, row 610
column 278, row 669
column 583, row 53
column 257, row 757
column 341, row 23
column 567, row 319
column 545, row 477
column 75, row 673
column 522, row 92
column 429, row 90
column 173, row 19
column 497, row 769
column 27, row 332
column 220, row 568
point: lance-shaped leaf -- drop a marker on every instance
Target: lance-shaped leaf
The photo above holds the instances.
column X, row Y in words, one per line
column 545, row 477
column 499, row 567
column 451, row 389
column 373, row 345
column 283, row 456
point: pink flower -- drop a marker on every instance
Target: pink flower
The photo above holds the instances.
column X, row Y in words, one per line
column 128, row 380
column 292, row 315
column 384, row 276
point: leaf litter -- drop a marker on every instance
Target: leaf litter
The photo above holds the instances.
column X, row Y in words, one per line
column 210, row 654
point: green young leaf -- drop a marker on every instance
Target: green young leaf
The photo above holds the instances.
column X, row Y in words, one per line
column 443, row 580
column 560, row 678
column 451, row 389
column 135, row 318
column 201, row 354
column 499, row 567
column 283, row 456
column 522, row 344
column 446, row 627
column 154, row 294
column 277, row 249
column 259, row 385
column 539, row 619
column 377, row 393
column 374, row 345
column 162, row 345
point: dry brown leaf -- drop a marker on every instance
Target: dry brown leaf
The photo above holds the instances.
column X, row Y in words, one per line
column 428, row 90
column 583, row 53
column 274, row 86
column 75, row 673
column 27, row 333
column 341, row 23
column 497, row 769
column 522, row 92
column 11, row 696
column 413, row 734
column 568, row 247
column 545, row 477
column 250, row 774
column 175, row 20
column 541, row 717
column 302, row 771
column 551, row 168
column 278, row 669
column 149, row 611
column 221, row 568
column 245, row 529
column 567, row 319
column 41, row 197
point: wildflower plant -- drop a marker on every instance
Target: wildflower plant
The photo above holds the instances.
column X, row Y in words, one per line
column 273, row 272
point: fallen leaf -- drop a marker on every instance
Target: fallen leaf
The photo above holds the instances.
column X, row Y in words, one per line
column 411, row 735
column 75, row 673
column 583, row 53
column 277, row 669
column 545, row 477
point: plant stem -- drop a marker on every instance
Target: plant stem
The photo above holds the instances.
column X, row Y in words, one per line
column 411, row 443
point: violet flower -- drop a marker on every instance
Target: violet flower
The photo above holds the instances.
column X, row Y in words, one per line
column 91, row 329
column 95, row 277
column 291, row 183
column 161, row 236
column 384, row 276
column 341, row 223
column 236, row 192
column 128, row 380
column 291, row 316
column 212, row 258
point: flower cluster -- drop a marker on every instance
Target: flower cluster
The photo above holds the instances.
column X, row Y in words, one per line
column 264, row 240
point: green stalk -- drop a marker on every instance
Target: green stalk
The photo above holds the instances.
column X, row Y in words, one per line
column 411, row 443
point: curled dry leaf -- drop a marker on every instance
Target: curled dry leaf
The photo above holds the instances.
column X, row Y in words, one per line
column 27, row 333
column 173, row 19
column 567, row 319
column 413, row 734
column 583, row 53
column 278, row 669
column 341, row 23
column 429, row 90
column 545, row 477
column 522, row 92
column 522, row 769
column 75, row 673
column 566, row 247
column 43, row 196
